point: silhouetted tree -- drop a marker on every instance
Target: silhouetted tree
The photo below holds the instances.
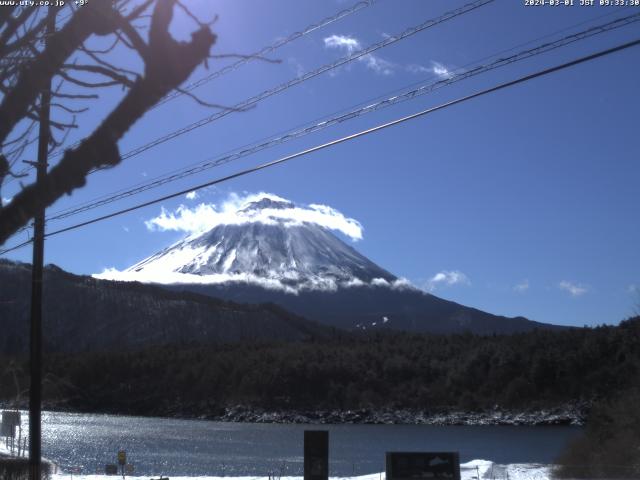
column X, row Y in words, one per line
column 28, row 64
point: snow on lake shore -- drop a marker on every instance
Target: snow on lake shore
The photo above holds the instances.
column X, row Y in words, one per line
column 468, row 471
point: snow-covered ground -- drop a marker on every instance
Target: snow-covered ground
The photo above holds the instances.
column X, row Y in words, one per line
column 468, row 471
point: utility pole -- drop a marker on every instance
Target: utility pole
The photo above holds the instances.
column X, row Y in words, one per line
column 35, row 391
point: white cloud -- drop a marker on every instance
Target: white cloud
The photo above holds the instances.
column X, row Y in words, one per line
column 270, row 283
column 206, row 216
column 191, row 195
column 447, row 278
column 125, row 228
column 377, row 64
column 440, row 70
column 236, row 209
column 170, row 278
column 352, row 45
column 522, row 286
column 436, row 68
column 6, row 201
column 574, row 289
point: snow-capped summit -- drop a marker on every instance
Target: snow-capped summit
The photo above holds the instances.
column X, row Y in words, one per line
column 266, row 240
column 267, row 201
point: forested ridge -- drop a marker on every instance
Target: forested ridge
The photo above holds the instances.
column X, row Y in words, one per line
column 81, row 313
column 532, row 370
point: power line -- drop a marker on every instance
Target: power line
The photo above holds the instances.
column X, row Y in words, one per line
column 395, row 92
column 267, row 50
column 16, row 247
column 247, row 103
column 342, row 117
column 353, row 136
column 250, row 102
column 253, row 56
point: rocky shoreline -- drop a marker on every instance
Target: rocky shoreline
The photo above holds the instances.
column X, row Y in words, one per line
column 574, row 414
column 565, row 415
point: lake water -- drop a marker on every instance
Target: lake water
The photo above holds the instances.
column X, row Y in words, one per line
column 197, row 447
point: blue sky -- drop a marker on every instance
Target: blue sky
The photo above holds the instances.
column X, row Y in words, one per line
column 523, row 202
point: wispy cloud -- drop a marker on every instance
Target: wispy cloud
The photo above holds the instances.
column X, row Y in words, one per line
column 191, row 195
column 324, row 283
column 447, row 278
column 6, row 201
column 440, row 70
column 378, row 65
column 633, row 289
column 522, row 286
column 416, row 68
column 233, row 211
column 296, row 66
column 352, row 45
column 436, row 68
column 576, row 290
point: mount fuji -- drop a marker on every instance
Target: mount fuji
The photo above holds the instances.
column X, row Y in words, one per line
column 264, row 248
column 268, row 242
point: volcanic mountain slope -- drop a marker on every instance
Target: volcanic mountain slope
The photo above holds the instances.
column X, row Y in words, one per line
column 82, row 313
column 272, row 250
column 264, row 245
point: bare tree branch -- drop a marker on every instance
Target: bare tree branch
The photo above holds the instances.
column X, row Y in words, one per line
column 76, row 96
column 82, row 83
column 93, row 18
column 117, row 79
column 168, row 63
column 138, row 11
column 14, row 24
column 96, row 58
column 68, row 109
column 21, row 42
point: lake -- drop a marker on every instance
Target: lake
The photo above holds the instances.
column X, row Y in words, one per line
column 199, row 447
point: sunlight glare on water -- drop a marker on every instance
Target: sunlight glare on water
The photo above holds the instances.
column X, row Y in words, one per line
column 197, row 447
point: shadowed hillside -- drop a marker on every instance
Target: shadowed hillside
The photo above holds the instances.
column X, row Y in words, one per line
column 81, row 313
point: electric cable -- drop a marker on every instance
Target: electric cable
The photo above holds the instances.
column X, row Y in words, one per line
column 239, row 63
column 263, row 166
column 252, row 101
column 326, row 122
column 266, row 50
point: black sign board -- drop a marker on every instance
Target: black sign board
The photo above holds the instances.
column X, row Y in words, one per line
column 316, row 455
column 10, row 420
column 423, row 465
column 110, row 469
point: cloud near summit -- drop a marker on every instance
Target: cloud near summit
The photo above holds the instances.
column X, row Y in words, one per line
column 234, row 211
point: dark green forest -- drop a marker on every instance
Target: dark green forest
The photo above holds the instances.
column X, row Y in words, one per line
column 534, row 370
